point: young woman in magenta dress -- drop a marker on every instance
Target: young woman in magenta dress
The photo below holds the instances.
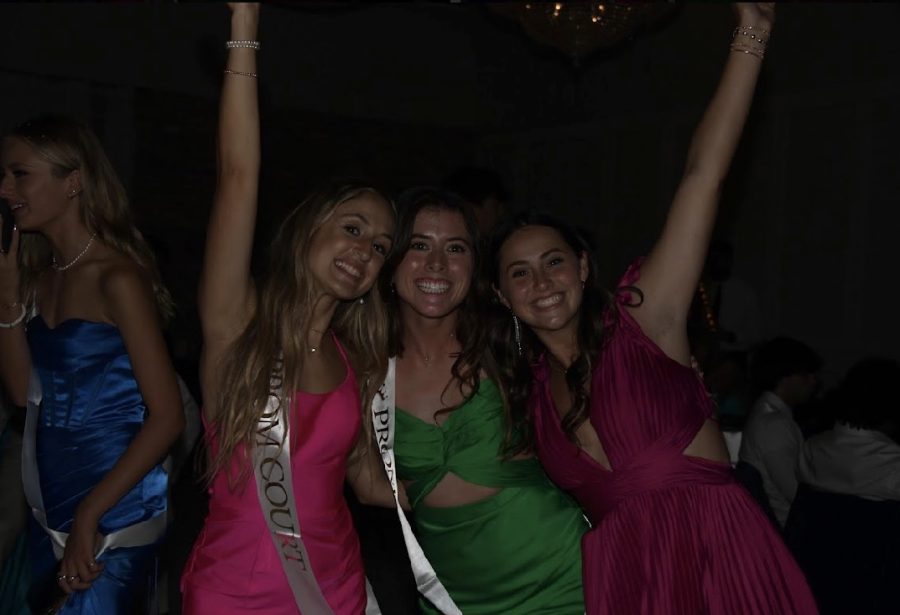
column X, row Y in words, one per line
column 615, row 411
column 500, row 536
column 317, row 320
column 81, row 317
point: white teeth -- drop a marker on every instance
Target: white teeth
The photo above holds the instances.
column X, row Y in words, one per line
column 433, row 288
column 549, row 301
column 345, row 266
column 16, row 206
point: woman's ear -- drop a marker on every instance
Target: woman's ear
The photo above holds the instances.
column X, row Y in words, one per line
column 584, row 269
column 73, row 184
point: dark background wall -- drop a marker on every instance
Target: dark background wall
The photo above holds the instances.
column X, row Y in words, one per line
column 403, row 93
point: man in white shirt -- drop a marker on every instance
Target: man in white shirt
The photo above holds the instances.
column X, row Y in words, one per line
column 785, row 370
column 857, row 456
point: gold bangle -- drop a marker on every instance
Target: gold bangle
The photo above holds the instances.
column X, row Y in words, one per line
column 759, row 53
column 228, row 71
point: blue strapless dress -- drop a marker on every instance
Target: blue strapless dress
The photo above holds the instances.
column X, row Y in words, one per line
column 91, row 411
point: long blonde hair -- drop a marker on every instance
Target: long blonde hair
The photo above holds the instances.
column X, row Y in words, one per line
column 68, row 145
column 280, row 328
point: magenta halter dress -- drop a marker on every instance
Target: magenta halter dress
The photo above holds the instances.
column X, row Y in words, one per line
column 234, row 567
column 672, row 535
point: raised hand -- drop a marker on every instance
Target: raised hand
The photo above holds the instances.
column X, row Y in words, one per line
column 756, row 14
column 236, row 7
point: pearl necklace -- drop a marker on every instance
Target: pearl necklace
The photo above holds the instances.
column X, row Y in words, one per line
column 68, row 265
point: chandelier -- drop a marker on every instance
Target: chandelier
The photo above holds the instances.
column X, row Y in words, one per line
column 580, row 28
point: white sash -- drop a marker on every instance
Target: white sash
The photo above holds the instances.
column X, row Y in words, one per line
column 272, row 467
column 137, row 535
column 383, row 411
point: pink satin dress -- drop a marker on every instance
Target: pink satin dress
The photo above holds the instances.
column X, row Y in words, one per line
column 234, row 567
column 673, row 534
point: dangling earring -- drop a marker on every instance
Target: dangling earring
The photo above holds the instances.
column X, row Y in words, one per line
column 517, row 332
column 362, row 300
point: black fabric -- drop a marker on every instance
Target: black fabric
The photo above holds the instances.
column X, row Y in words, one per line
column 751, row 479
column 849, row 548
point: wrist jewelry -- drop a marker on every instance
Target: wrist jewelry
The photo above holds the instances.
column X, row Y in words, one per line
column 16, row 322
column 242, row 45
column 228, row 71
column 752, row 41
column 748, row 50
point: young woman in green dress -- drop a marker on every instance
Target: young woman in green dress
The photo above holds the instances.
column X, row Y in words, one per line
column 500, row 536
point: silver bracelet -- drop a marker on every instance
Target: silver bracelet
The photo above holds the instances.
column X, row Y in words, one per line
column 242, row 45
column 228, row 71
column 16, row 322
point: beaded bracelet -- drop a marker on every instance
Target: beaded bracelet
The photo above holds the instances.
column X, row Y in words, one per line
column 242, row 44
column 228, row 71
column 16, row 322
column 758, row 38
column 759, row 53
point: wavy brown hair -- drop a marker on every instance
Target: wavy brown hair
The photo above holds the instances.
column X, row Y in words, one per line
column 471, row 331
column 68, row 145
column 280, row 327
column 516, row 368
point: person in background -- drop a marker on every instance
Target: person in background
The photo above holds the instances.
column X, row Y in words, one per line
column 860, row 455
column 786, row 371
column 484, row 190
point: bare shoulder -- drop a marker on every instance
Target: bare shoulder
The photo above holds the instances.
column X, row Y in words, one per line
column 125, row 286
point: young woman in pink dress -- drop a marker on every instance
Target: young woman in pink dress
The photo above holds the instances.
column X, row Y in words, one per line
column 614, row 409
column 318, row 320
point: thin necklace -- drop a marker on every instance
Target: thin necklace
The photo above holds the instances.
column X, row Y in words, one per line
column 427, row 358
column 556, row 365
column 68, row 265
column 316, row 348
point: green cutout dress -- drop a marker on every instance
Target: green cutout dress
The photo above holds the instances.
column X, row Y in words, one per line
column 515, row 553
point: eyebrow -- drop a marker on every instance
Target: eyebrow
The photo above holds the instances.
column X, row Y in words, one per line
column 449, row 239
column 541, row 257
column 353, row 214
column 365, row 221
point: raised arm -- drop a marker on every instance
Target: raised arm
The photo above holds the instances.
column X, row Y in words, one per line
column 15, row 366
column 226, row 296
column 672, row 270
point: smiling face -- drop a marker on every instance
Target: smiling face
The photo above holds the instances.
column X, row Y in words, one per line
column 435, row 274
column 541, row 278
column 347, row 251
column 36, row 195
